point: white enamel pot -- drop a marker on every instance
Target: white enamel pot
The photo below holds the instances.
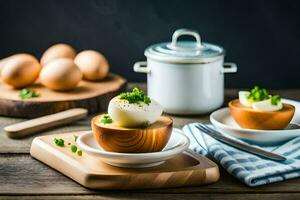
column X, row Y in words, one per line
column 186, row 77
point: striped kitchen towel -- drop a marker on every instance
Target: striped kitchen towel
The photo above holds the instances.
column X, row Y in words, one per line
column 246, row 167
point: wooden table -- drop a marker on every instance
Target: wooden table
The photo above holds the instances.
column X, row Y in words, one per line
column 26, row 178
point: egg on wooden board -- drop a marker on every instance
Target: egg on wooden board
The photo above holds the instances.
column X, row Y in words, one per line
column 3, row 61
column 58, row 51
column 92, row 64
column 60, row 74
column 127, row 114
column 20, row 70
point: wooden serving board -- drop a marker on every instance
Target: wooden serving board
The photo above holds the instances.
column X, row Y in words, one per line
column 94, row 96
column 186, row 169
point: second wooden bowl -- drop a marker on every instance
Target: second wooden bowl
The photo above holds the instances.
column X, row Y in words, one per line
column 113, row 138
column 261, row 120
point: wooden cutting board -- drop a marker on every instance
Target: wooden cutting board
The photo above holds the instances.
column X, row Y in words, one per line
column 186, row 169
column 94, row 96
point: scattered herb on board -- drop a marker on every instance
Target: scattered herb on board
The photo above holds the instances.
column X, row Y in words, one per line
column 59, row 142
column 27, row 94
column 75, row 137
column 79, row 153
column 73, row 148
column 106, row 119
column 135, row 96
column 275, row 100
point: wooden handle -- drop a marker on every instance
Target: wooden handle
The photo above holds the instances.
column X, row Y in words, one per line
column 28, row 127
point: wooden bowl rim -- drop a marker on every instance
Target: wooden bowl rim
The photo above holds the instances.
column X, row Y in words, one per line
column 249, row 109
column 100, row 125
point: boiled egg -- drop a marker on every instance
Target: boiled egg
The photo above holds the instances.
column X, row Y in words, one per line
column 20, row 70
column 127, row 114
column 266, row 105
column 60, row 74
column 58, row 51
column 92, row 64
column 243, row 98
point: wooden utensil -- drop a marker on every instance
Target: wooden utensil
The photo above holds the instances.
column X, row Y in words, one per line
column 186, row 169
column 28, row 127
column 93, row 96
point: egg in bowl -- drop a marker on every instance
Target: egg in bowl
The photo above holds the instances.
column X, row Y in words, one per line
column 259, row 110
column 134, row 124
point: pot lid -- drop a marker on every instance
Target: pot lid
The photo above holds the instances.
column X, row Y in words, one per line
column 185, row 51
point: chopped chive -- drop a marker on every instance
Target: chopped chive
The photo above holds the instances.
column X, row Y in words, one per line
column 106, row 119
column 275, row 100
column 135, row 96
column 59, row 142
column 75, row 137
column 79, row 153
column 27, row 94
column 74, row 148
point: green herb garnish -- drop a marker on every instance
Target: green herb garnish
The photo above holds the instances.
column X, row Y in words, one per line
column 27, row 94
column 258, row 94
column 59, row 142
column 74, row 148
column 135, row 96
column 79, row 153
column 275, row 100
column 106, row 119
column 75, row 137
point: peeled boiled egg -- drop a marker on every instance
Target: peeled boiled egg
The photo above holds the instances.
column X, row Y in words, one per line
column 92, row 64
column 20, row 70
column 266, row 105
column 243, row 98
column 60, row 74
column 127, row 114
column 57, row 51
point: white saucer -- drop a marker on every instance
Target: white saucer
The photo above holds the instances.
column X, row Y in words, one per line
column 176, row 145
column 222, row 119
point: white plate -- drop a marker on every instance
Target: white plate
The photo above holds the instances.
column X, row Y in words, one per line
column 222, row 119
column 176, row 145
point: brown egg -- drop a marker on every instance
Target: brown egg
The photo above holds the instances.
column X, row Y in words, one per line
column 3, row 61
column 60, row 74
column 57, row 51
column 92, row 64
column 20, row 70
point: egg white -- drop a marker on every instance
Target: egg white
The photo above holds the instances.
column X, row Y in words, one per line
column 127, row 114
column 266, row 105
column 243, row 98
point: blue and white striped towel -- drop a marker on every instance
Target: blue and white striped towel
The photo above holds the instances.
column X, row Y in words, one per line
column 248, row 168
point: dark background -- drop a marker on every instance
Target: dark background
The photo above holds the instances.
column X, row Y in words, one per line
column 262, row 37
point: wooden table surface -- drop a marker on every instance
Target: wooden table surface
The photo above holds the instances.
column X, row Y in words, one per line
column 26, row 178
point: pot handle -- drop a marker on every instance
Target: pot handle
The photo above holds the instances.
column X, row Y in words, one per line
column 137, row 67
column 184, row 31
column 229, row 68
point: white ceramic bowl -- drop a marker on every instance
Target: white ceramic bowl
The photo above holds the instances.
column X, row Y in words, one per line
column 222, row 119
column 176, row 145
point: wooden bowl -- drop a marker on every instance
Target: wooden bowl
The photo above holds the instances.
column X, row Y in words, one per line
column 154, row 138
column 262, row 120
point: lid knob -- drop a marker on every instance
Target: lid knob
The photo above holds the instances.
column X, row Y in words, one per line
column 184, row 31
